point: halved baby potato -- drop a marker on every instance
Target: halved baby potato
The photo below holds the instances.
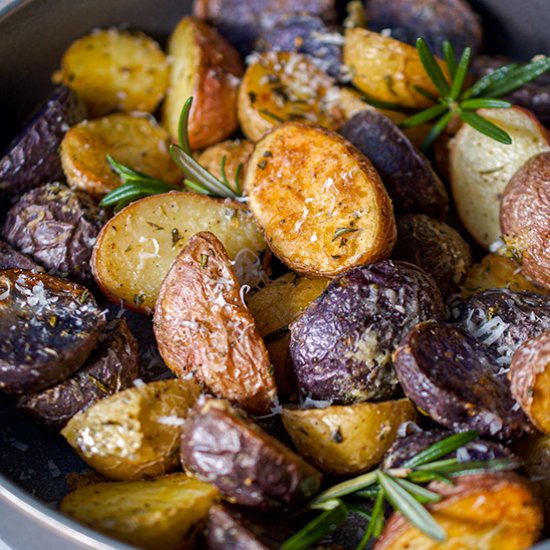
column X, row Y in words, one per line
column 136, row 247
column 286, row 86
column 136, row 141
column 206, row 67
column 115, row 70
column 322, row 213
column 166, row 513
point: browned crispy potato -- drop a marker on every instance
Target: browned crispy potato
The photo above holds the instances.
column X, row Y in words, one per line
column 530, row 379
column 134, row 433
column 166, row 513
column 497, row 511
column 387, row 70
column 346, row 439
column 135, row 141
column 236, row 152
column 525, row 217
column 203, row 327
column 281, row 86
column 136, row 247
column 208, row 68
column 114, row 70
column 495, row 271
column 482, row 167
column 321, row 214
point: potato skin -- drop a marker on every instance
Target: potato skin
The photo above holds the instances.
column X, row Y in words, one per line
column 360, row 319
column 346, row 439
column 247, row 465
column 32, row 158
column 525, row 217
column 435, row 247
column 411, row 183
column 494, row 511
column 11, row 259
column 452, row 377
column 111, row 367
column 48, row 329
column 57, row 228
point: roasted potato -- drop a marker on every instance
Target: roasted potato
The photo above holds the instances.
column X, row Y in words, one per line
column 112, row 367
column 346, row 439
column 166, row 513
column 525, row 217
column 493, row 511
column 206, row 67
column 48, row 328
column 32, row 158
column 434, row 20
column 116, row 70
column 286, row 86
column 11, row 259
column 341, row 346
column 495, row 271
column 457, row 382
column 203, row 327
column 530, row 379
column 135, row 433
column 249, row 467
column 481, row 167
column 387, row 70
column 135, row 249
column 435, row 247
column 320, row 214
column 411, row 183
column 57, row 228
column 136, row 141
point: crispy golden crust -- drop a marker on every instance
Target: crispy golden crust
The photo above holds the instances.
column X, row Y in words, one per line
column 321, row 214
column 202, row 326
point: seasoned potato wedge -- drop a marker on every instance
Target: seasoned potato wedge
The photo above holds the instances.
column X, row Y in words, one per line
column 274, row 307
column 525, row 217
column 136, row 141
column 387, row 70
column 203, row 326
column 205, row 66
column 166, row 513
column 346, row 439
column 135, row 249
column 286, row 86
column 499, row 511
column 481, row 167
column 134, row 433
column 321, row 214
column 114, row 70
column 495, row 271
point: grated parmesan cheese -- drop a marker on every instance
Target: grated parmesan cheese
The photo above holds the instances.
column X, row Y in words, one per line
column 171, row 420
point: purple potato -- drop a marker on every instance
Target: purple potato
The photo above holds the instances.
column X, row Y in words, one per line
column 112, row 367
column 455, row 379
column 408, row 176
column 11, row 259
column 341, row 347
column 48, row 328
column 57, row 228
column 32, row 159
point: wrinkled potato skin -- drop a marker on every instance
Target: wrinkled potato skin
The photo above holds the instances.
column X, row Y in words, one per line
column 435, row 247
column 525, row 217
column 530, row 379
column 493, row 511
column 203, row 327
column 301, row 218
column 208, row 68
column 247, row 465
column 347, row 439
column 165, row 513
column 11, row 259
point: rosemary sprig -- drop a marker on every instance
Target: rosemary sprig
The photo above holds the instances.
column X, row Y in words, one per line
column 137, row 185
column 400, row 487
column 455, row 101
